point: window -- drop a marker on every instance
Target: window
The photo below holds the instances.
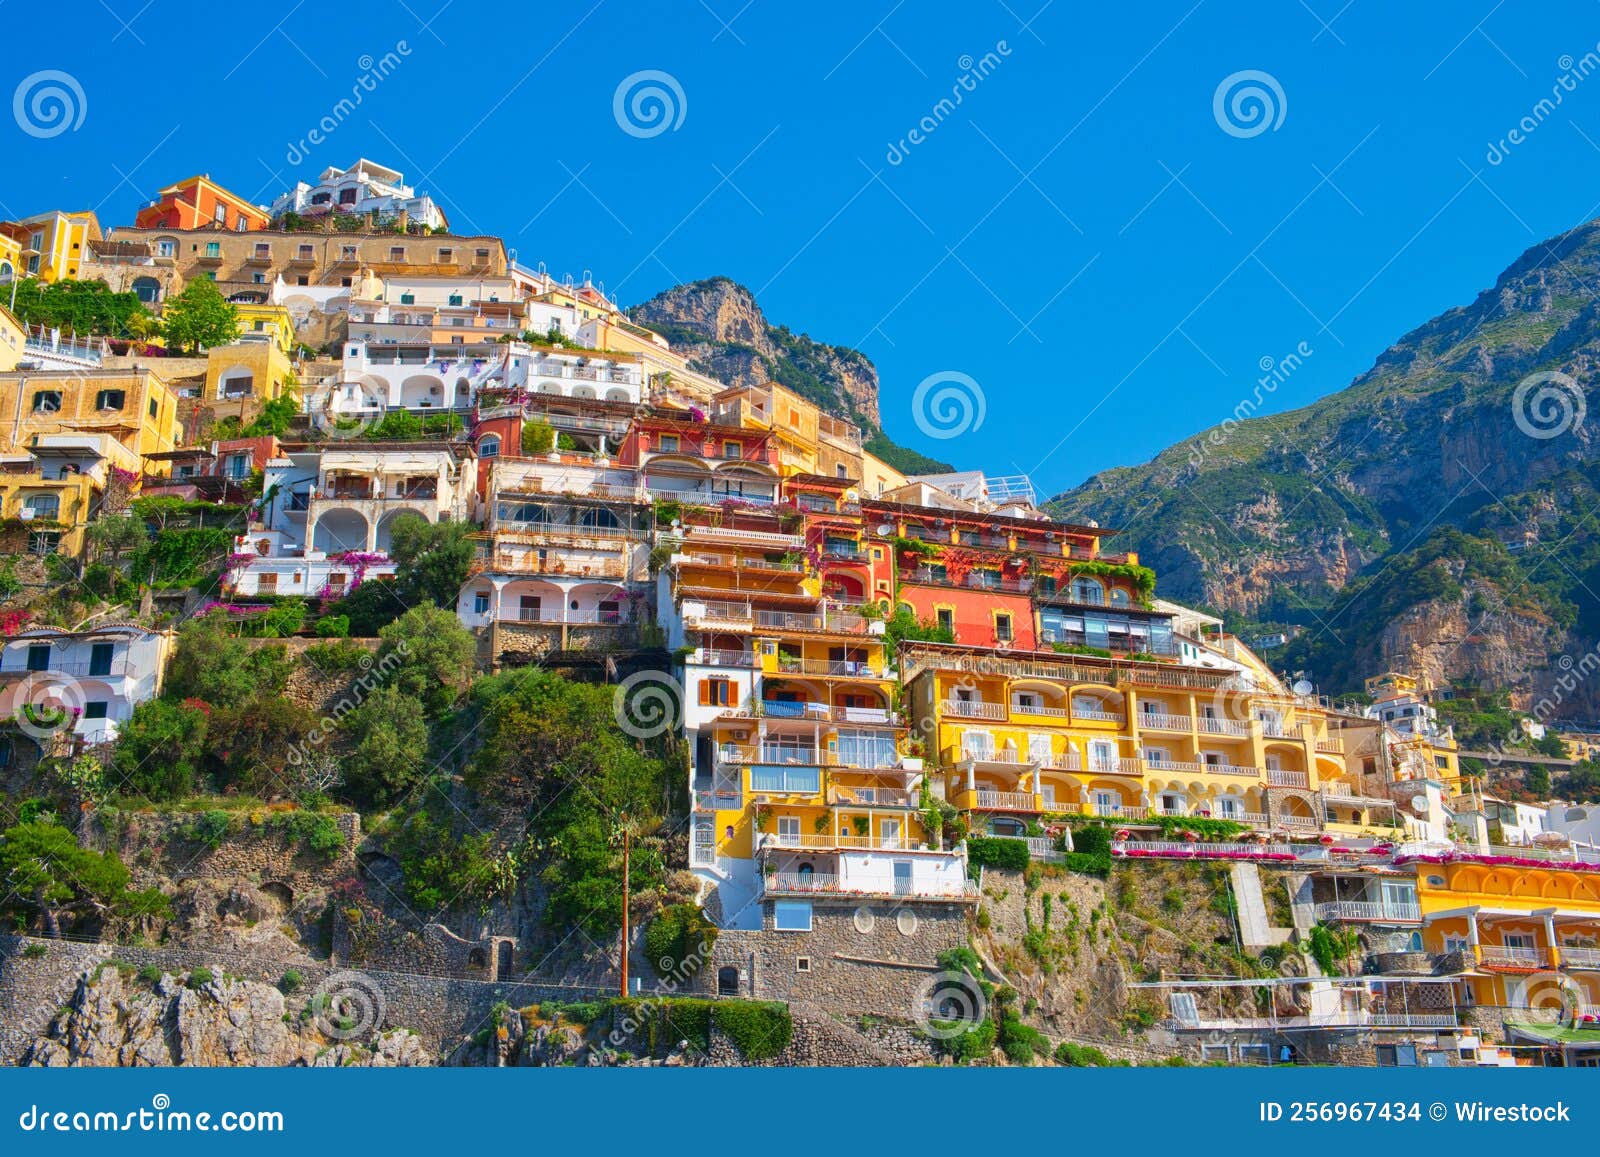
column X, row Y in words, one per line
column 488, row 446
column 408, row 299
column 221, row 214
column 267, row 583
column 166, row 248
column 39, row 657
column 946, row 619
column 47, row 402
column 347, row 253
column 716, row 692
column 446, row 255
column 455, row 299
column 668, row 443
column 480, row 602
column 100, row 655
column 153, row 407
column 110, row 400
column 43, row 505
column 1391, row 1055
column 43, row 543
column 321, row 198
column 95, row 709
column 237, row 467
column 480, row 254
column 263, row 250
column 789, row 780
column 1002, row 628
column 1086, row 590
column 347, row 196
column 791, row 916
column 213, row 249
column 397, row 253
column 732, row 450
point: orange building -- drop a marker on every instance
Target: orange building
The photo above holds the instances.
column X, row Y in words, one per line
column 200, row 203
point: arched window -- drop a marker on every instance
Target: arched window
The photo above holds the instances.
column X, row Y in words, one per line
column 488, row 446
column 146, row 289
column 1119, row 597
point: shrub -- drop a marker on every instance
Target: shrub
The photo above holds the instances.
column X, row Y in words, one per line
column 1088, row 863
column 199, row 977
column 150, row 974
column 208, row 828
column 1091, row 838
column 760, row 1028
column 342, row 655
column 997, row 852
column 290, row 981
column 679, row 941
column 1080, row 1056
column 333, row 626
column 973, row 1044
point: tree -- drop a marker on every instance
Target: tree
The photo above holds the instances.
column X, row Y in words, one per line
column 274, row 417
column 431, row 559
column 436, row 656
column 160, row 750
column 113, row 535
column 370, row 607
column 538, row 437
column 86, row 307
column 211, row 665
column 250, row 743
column 389, row 746
column 43, row 868
column 199, row 317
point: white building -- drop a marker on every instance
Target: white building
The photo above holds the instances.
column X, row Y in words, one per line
column 266, row 562
column 86, row 681
column 363, row 187
column 346, row 497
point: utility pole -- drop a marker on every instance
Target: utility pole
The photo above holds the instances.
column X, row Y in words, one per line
column 625, row 851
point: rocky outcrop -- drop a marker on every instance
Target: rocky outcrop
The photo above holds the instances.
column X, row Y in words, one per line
column 119, row 1019
column 717, row 324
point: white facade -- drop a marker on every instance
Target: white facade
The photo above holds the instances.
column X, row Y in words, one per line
column 363, row 187
column 88, row 681
column 284, row 567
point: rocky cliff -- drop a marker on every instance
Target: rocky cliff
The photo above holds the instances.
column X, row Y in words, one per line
column 1452, row 481
column 718, row 326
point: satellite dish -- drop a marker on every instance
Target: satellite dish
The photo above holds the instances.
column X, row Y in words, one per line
column 1419, row 803
column 1302, row 687
column 884, row 528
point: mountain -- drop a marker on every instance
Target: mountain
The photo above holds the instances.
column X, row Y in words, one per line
column 718, row 326
column 1437, row 514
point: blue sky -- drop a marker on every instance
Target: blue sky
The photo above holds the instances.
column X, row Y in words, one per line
column 1081, row 236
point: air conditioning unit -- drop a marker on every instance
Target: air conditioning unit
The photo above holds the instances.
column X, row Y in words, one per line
column 740, row 736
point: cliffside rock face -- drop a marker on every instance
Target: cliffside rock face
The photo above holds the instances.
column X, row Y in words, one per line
column 717, row 324
column 117, row 1021
column 1473, row 424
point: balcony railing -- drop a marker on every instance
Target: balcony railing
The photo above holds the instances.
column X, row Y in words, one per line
column 1159, row 721
column 1215, row 726
column 1038, row 709
column 1121, row 765
column 1505, row 956
column 719, row 614
column 848, row 668
column 1370, row 911
column 1095, row 715
column 1043, row 848
column 714, row 658
column 972, row 709
column 1004, row 800
column 1279, row 778
column 1331, row 746
column 1060, row 761
column 1117, row 811
column 801, row 883
column 819, row 883
column 829, row 620
column 1580, row 956
column 81, row 665
column 721, row 799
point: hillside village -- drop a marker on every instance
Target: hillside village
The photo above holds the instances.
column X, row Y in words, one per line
column 377, row 606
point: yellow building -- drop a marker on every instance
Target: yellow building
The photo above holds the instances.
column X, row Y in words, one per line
column 133, row 406
column 807, row 440
column 11, row 263
column 1018, row 739
column 53, row 244
column 51, row 490
column 266, row 323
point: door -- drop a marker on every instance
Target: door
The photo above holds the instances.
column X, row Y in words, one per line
column 890, row 831
column 528, row 608
column 1107, row 803
column 789, row 831
column 902, row 877
column 100, row 658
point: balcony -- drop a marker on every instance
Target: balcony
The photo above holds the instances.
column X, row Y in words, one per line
column 1510, row 958
column 1370, row 912
column 819, row 712
column 261, row 256
column 831, row 884
column 718, row 614
column 984, row 799
column 972, row 709
column 209, row 259
column 1116, row 811
column 1579, row 956
column 1331, row 746
column 1020, row 708
column 1277, row 777
column 1212, row 725
column 829, row 668
column 721, row 799
column 714, row 658
column 1044, row 848
column 82, row 665
column 1159, row 721
column 1096, row 715
column 836, row 841
column 831, row 620
column 304, row 258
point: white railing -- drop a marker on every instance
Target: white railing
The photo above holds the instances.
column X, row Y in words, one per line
column 1279, row 778
column 1218, row 726
column 802, row 882
column 1118, row 811
column 1200, row 848
column 1414, row 1020
column 727, row 801
column 1122, row 765
column 733, row 614
column 1159, row 721
column 1331, row 746
column 1338, row 790
column 971, row 709
column 1062, row 761
column 1095, row 715
column 1374, row 911
column 1582, row 956
column 1515, row 957
column 1298, row 823
column 714, row 658
column 1038, row 709
column 991, row 755
column 1043, row 848
column 1006, row 800
column 1174, row 765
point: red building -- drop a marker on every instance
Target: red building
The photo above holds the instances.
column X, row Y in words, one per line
column 200, row 203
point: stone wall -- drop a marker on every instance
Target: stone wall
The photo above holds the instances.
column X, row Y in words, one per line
column 874, row 958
